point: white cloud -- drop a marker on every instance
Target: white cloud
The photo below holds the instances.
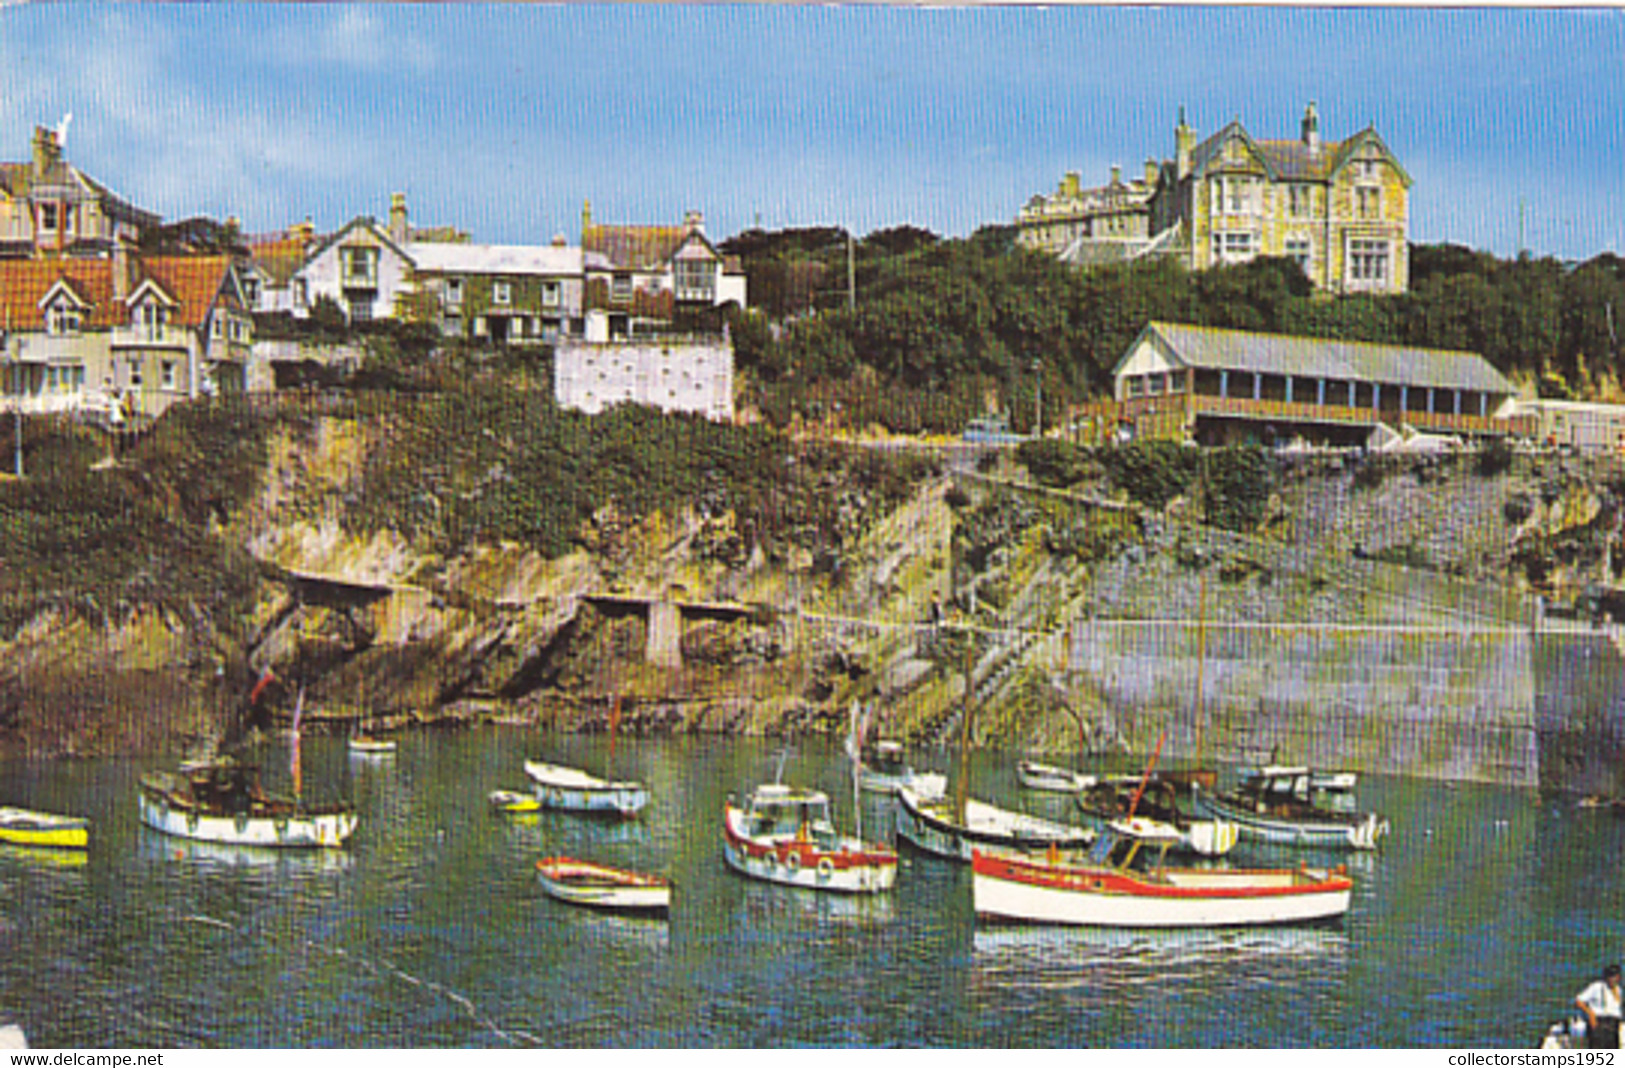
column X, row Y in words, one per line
column 355, row 38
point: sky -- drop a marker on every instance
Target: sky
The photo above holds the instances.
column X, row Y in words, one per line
column 502, row 120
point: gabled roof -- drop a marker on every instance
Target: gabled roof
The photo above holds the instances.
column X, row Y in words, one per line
column 496, row 259
column 1291, row 160
column 361, row 222
column 1310, row 357
column 635, row 248
column 277, row 255
column 64, row 287
column 193, row 282
column 24, row 284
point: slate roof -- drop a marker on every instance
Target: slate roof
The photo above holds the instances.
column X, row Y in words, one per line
column 637, row 248
column 1290, row 160
column 1310, row 357
column 496, row 259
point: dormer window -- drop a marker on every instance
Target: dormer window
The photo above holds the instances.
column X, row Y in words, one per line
column 63, row 319
column 48, row 220
column 149, row 319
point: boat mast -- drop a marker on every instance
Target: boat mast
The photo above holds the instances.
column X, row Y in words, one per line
column 853, row 750
column 614, row 725
column 1201, row 660
column 1139, row 790
column 962, row 783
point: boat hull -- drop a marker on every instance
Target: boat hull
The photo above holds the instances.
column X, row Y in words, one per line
column 370, row 747
column 923, row 783
column 855, row 868
column 1015, row 890
column 1361, row 832
column 598, row 886
column 313, row 830
column 569, row 790
column 987, row 827
column 1048, row 779
column 22, row 827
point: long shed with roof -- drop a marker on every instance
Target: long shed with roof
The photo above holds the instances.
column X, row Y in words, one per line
column 1217, row 386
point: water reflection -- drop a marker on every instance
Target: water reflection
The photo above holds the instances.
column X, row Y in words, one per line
column 214, row 856
column 1042, row 949
column 37, row 857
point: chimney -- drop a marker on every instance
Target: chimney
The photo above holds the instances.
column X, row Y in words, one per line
column 1117, row 175
column 398, row 230
column 123, row 272
column 694, row 222
column 586, row 219
column 1072, row 184
column 1311, row 129
column 1184, row 145
column 47, row 151
column 304, row 232
column 560, row 241
column 1151, row 173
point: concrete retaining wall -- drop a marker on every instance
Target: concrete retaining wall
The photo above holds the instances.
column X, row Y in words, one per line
column 1411, row 701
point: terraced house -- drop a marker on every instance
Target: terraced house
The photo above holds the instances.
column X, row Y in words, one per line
column 1341, row 209
column 501, row 294
column 122, row 336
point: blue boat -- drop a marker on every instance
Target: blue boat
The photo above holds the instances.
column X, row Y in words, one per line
column 1296, row 806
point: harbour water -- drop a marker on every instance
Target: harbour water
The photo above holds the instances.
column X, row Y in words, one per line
column 1482, row 915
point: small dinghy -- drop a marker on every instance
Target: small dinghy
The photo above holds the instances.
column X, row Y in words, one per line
column 25, row 827
column 885, row 771
column 1048, row 778
column 367, row 745
column 513, row 801
column 598, row 886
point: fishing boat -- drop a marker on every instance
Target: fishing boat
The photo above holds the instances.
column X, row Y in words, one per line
column 885, row 771
column 25, row 827
column 936, row 826
column 1155, row 814
column 224, row 802
column 1048, row 778
column 783, row 834
column 366, row 745
column 598, row 886
column 574, row 790
column 1105, row 889
column 1294, row 805
column 513, row 801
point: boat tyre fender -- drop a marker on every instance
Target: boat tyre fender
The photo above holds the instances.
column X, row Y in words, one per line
column 826, row 867
column 281, row 826
column 792, row 863
column 242, row 822
column 191, row 821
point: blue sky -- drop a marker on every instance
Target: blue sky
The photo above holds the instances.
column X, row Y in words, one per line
column 503, row 119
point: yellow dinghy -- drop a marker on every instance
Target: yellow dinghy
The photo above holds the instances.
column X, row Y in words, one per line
column 21, row 826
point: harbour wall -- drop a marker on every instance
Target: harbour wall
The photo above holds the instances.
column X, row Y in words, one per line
column 1499, row 704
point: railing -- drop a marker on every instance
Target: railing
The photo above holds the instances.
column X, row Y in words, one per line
column 1186, row 405
column 158, row 337
column 42, row 403
column 44, row 348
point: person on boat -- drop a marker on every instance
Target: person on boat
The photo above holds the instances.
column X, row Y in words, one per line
column 1600, row 1001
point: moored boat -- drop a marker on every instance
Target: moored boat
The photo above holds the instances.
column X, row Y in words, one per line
column 1105, row 890
column 1294, row 805
column 225, row 803
column 599, row 886
column 366, row 745
column 513, row 801
column 936, row 826
column 885, row 771
column 1154, row 814
column 574, row 790
column 25, row 827
column 783, row 834
column 1050, row 779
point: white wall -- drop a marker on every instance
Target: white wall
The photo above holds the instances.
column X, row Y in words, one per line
column 674, row 376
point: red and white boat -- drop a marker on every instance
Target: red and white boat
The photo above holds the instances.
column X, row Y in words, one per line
column 598, row 886
column 783, row 834
column 1103, row 890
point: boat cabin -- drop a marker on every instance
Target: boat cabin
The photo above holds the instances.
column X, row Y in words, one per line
column 887, row 758
column 231, row 788
column 1331, row 791
column 778, row 811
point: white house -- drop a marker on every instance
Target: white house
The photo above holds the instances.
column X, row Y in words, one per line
column 361, row 268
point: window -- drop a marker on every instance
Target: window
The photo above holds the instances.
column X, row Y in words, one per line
column 1300, row 201
column 550, row 294
column 251, row 290
column 696, row 279
column 360, row 311
column 360, row 265
column 501, row 292
column 217, row 325
column 135, row 370
column 62, row 319
column 1298, row 250
column 1232, row 246
column 149, row 320
column 166, row 374
column 1368, row 261
column 454, row 291
column 48, row 218
column 1368, row 202
column 301, row 293
column 621, row 287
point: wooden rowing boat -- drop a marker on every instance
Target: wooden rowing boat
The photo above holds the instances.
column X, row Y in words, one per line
column 599, row 886
column 25, row 827
column 1048, row 778
column 935, row 826
column 574, row 790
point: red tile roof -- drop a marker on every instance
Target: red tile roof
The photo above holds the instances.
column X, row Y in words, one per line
column 191, row 281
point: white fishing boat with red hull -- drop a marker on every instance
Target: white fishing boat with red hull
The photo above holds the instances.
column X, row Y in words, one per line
column 783, row 834
column 1104, row 890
